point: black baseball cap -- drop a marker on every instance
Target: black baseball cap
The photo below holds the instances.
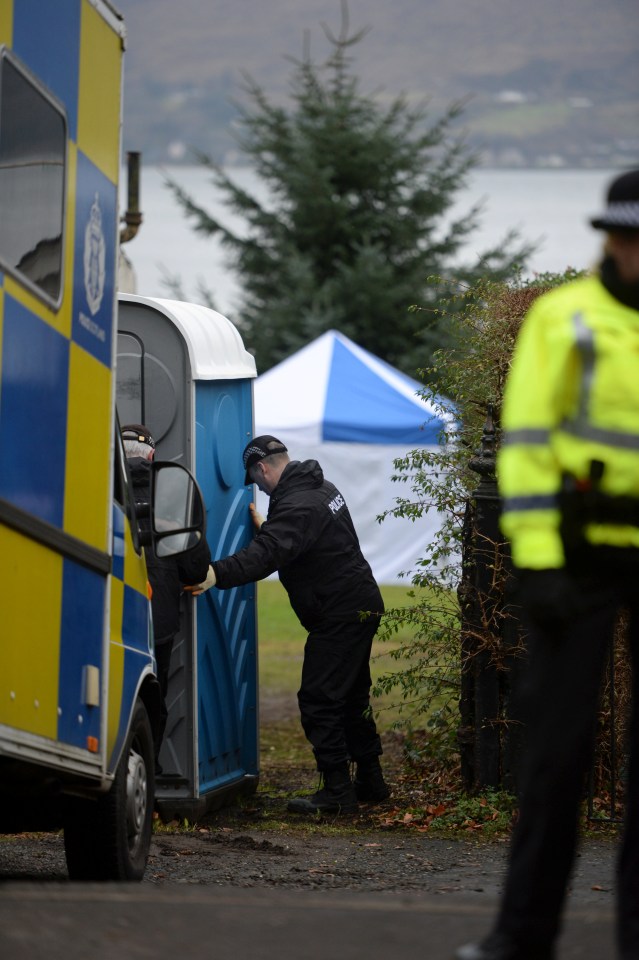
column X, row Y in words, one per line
column 257, row 449
column 137, row 431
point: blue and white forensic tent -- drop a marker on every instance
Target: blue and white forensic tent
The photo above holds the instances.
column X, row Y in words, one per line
column 335, row 402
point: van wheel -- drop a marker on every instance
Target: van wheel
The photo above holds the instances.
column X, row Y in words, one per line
column 109, row 838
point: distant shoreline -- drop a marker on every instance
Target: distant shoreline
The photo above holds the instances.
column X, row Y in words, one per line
column 244, row 168
column 547, row 207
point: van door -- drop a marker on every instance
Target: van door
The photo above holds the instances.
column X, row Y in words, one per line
column 150, row 390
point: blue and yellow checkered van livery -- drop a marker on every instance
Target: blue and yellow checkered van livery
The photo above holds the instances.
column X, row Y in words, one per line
column 76, row 630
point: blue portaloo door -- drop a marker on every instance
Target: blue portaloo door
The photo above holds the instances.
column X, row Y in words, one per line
column 211, row 737
column 226, row 619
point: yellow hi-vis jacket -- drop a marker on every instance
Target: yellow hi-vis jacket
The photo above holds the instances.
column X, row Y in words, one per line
column 572, row 397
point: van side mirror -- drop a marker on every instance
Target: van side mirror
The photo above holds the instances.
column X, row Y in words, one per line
column 178, row 517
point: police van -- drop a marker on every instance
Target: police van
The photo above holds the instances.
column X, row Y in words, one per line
column 79, row 699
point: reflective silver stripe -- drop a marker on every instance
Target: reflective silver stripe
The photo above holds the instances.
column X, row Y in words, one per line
column 585, row 342
column 578, row 426
column 539, row 501
column 586, row 431
column 532, row 436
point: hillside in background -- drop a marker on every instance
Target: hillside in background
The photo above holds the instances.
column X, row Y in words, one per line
column 548, row 83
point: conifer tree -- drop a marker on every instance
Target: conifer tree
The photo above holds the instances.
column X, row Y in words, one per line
column 355, row 221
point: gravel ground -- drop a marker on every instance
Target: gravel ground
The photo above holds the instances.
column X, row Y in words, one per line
column 256, row 844
column 324, row 859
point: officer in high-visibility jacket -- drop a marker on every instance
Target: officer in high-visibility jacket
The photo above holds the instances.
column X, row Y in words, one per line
column 568, row 472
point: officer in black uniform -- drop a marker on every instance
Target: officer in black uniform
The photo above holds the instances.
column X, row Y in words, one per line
column 167, row 575
column 310, row 539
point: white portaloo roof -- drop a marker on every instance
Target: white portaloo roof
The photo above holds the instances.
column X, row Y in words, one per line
column 216, row 349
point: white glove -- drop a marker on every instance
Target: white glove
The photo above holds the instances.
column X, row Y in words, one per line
column 205, row 585
column 256, row 517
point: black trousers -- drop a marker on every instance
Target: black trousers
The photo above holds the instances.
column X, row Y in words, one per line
column 564, row 682
column 334, row 696
column 163, row 650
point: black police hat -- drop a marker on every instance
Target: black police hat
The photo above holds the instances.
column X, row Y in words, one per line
column 622, row 211
column 137, row 431
column 257, row 449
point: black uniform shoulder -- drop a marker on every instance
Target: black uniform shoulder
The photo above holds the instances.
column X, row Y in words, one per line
column 305, row 474
column 140, row 472
column 298, row 478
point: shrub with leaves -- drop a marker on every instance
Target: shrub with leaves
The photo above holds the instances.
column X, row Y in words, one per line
column 465, row 380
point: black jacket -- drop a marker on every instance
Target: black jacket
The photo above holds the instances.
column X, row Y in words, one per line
column 167, row 575
column 310, row 539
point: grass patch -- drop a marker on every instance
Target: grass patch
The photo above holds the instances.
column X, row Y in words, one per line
column 524, row 120
column 284, row 744
column 281, row 649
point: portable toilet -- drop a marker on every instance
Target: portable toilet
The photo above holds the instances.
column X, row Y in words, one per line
column 183, row 371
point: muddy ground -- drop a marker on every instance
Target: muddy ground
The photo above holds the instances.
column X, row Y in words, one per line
column 257, row 844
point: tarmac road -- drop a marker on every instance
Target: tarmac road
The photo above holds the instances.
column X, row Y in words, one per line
column 65, row 921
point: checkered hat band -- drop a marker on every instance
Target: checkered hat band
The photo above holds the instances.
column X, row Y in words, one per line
column 138, row 433
column 251, row 450
column 622, row 214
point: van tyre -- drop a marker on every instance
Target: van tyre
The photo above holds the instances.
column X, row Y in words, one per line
column 109, row 838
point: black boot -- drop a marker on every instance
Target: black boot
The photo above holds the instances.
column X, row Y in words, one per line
column 370, row 786
column 337, row 795
column 499, row 946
